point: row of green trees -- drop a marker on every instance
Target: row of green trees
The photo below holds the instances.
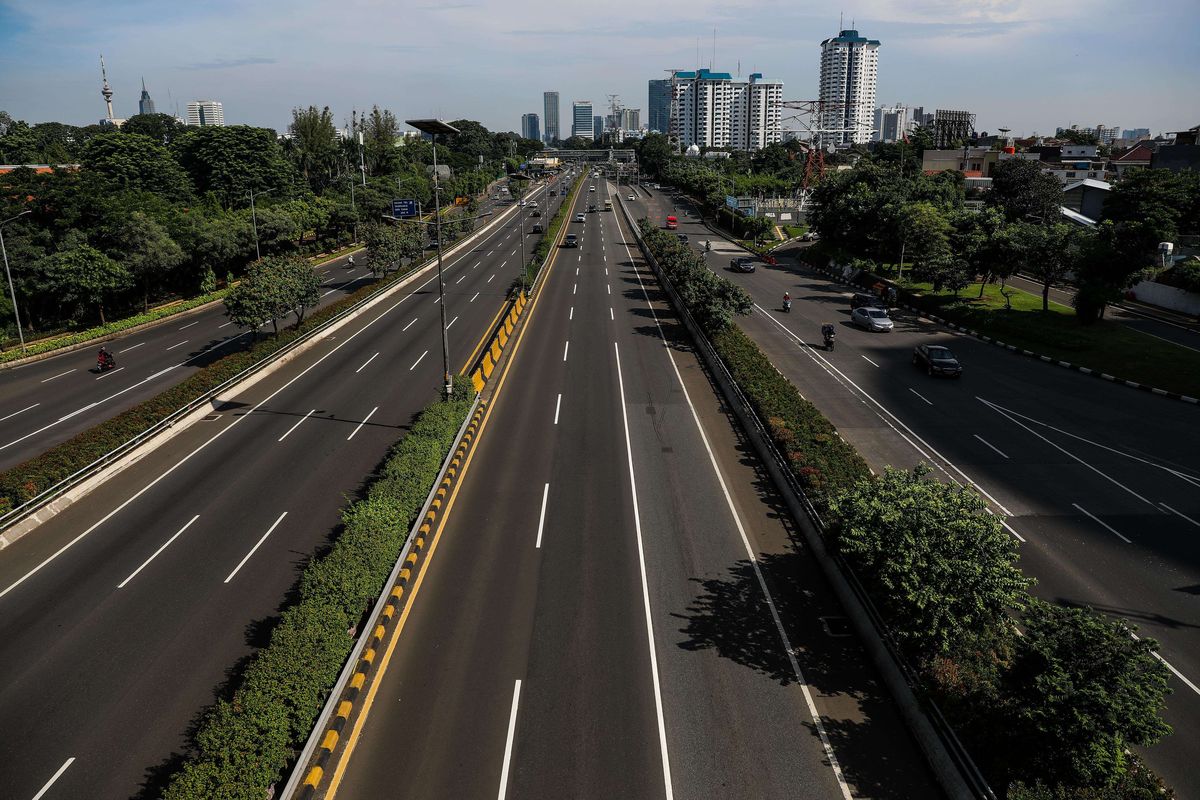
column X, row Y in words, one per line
column 885, row 216
column 157, row 210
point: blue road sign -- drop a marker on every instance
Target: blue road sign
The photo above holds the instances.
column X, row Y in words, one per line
column 404, row 208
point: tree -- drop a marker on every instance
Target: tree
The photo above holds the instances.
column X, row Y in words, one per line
column 313, row 145
column 1048, row 253
column 133, row 161
column 83, row 277
column 1080, row 692
column 654, row 153
column 231, row 161
column 380, row 132
column 273, row 288
column 925, row 232
column 1024, row 191
column 941, row 567
column 149, row 252
column 162, row 128
column 388, row 245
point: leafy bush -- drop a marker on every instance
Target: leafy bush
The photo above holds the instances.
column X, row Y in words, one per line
column 712, row 300
column 243, row 743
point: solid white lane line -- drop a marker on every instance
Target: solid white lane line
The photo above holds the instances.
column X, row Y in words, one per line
column 1180, row 514
column 557, row 407
column 59, row 375
column 256, row 546
column 181, row 344
column 989, row 444
column 542, row 516
column 1067, row 453
column 566, row 347
column 508, row 744
column 110, row 372
column 418, row 361
column 1167, row 664
column 297, row 425
column 610, row 314
column 1101, row 523
column 22, row 411
column 227, row 324
column 46, row 787
column 451, row 322
column 190, row 324
column 139, row 344
column 331, row 291
column 784, row 639
column 472, row 300
column 364, row 366
column 409, row 325
column 489, row 280
column 869, row 361
column 918, row 394
column 637, row 526
column 364, row 422
column 164, row 546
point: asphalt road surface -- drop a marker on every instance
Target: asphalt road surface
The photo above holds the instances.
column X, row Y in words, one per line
column 592, row 622
column 46, row 402
column 1100, row 482
column 121, row 616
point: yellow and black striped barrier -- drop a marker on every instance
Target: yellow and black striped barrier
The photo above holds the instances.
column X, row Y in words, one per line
column 491, row 354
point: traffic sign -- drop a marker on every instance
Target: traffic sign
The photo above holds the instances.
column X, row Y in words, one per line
column 404, row 208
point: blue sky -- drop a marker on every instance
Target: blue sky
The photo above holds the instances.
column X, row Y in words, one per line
column 1024, row 64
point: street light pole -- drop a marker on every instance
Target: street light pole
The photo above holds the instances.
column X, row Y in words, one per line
column 11, row 290
column 433, row 127
column 254, row 220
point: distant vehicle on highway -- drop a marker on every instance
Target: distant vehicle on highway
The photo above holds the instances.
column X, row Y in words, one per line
column 608, row 205
column 672, row 223
column 536, row 213
column 682, row 237
column 809, row 236
column 936, row 360
column 571, row 241
column 537, row 228
column 579, row 218
column 591, row 188
column 865, row 300
column 521, row 204
column 871, row 318
column 631, row 198
column 741, row 264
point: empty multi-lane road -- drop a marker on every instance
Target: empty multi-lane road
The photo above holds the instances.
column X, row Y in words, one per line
column 1100, row 482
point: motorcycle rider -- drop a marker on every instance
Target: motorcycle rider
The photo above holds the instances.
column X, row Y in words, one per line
column 104, row 358
column 787, row 301
column 827, row 332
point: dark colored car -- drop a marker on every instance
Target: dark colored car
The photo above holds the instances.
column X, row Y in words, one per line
column 682, row 237
column 571, row 241
column 741, row 264
column 936, row 360
column 537, row 228
column 861, row 299
column 536, row 213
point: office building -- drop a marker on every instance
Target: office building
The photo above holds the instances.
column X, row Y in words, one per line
column 1134, row 134
column 891, row 124
column 711, row 109
column 1105, row 134
column 205, row 113
column 849, row 72
column 582, row 123
column 630, row 119
column 597, row 127
column 145, row 104
column 530, row 128
column 659, row 106
column 550, row 116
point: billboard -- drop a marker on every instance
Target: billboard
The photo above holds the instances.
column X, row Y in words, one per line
column 404, row 208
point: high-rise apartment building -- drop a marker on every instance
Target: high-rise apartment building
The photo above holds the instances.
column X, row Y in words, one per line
column 550, row 116
column 582, row 123
column 659, row 107
column 891, row 124
column 204, row 113
column 849, row 71
column 145, row 104
column 530, row 128
column 711, row 109
column 631, row 119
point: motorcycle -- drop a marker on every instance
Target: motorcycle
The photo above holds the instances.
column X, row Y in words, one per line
column 105, row 362
column 829, row 342
column 787, row 306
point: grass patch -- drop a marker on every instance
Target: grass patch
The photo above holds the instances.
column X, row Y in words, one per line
column 1104, row 346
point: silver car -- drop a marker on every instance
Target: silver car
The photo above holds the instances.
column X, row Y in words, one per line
column 873, row 319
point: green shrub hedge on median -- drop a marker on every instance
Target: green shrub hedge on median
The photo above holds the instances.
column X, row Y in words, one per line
column 244, row 742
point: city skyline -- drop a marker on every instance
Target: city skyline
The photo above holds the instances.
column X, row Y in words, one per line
column 1010, row 64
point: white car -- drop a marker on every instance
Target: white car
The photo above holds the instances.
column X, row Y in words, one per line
column 579, row 218
column 631, row 198
column 871, row 318
column 591, row 188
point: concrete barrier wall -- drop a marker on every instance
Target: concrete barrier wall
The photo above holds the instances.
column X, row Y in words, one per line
column 1163, row 296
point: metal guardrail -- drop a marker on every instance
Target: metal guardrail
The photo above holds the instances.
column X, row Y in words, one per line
column 953, row 748
column 46, row 496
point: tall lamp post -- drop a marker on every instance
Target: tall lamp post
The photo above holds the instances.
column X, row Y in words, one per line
column 254, row 219
column 433, row 127
column 12, row 291
column 521, row 176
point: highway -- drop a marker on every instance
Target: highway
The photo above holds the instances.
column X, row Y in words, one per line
column 121, row 617
column 614, row 605
column 1098, row 481
column 46, row 402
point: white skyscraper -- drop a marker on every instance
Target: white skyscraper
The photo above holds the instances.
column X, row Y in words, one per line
column 582, row 122
column 711, row 109
column 849, row 71
column 203, row 113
